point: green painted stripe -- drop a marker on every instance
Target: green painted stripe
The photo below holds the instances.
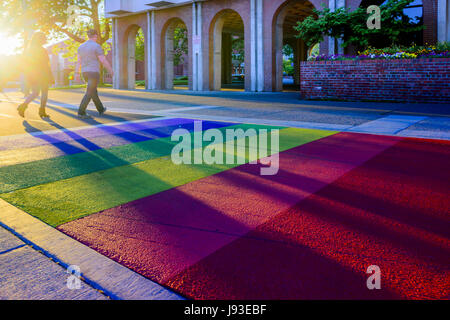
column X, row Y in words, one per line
column 66, row 200
column 34, row 173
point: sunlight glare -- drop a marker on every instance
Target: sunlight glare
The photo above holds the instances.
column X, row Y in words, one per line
column 9, row 44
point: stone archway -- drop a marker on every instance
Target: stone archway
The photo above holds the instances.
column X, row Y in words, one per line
column 168, row 51
column 130, row 56
column 226, row 27
column 285, row 18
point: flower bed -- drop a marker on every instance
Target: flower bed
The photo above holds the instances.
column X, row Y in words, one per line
column 398, row 55
column 441, row 50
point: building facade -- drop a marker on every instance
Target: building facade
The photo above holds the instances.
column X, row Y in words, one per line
column 265, row 25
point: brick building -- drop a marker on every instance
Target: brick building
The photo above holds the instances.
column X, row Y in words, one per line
column 265, row 25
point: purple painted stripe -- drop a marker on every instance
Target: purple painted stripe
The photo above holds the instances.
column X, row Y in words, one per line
column 87, row 133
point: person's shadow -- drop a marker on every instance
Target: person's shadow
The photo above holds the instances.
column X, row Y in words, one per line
column 59, row 107
column 65, row 147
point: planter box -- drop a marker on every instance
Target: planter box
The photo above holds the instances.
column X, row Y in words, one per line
column 402, row 80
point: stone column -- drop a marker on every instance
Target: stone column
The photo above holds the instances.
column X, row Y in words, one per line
column 443, row 23
column 116, row 55
column 335, row 45
column 256, row 46
column 260, row 46
column 331, row 41
column 197, row 51
column 148, row 50
column 195, row 61
column 152, row 44
column 340, row 41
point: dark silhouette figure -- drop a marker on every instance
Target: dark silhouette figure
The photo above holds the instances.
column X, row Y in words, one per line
column 38, row 73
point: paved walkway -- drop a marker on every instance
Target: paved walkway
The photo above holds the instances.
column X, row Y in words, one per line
column 35, row 261
column 284, row 109
column 27, row 274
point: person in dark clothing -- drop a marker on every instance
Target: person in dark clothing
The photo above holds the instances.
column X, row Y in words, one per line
column 90, row 55
column 38, row 73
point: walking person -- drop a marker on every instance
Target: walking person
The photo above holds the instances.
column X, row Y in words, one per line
column 38, row 73
column 90, row 55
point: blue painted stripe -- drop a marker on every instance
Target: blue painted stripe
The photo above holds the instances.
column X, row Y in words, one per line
column 66, row 134
column 79, row 144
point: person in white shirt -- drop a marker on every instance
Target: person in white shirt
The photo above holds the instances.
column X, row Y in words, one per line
column 90, row 55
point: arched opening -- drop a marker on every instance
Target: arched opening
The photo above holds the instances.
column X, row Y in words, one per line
column 288, row 66
column 287, row 48
column 135, row 58
column 227, row 52
column 175, row 55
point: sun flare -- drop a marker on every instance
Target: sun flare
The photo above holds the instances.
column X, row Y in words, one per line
column 9, row 44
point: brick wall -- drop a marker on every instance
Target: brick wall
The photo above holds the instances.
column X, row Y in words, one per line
column 408, row 80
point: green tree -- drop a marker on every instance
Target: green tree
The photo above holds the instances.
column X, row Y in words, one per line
column 180, row 45
column 288, row 51
column 351, row 26
column 288, row 67
column 238, row 49
column 140, row 46
column 53, row 18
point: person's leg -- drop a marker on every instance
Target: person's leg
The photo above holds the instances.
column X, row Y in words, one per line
column 26, row 89
column 98, row 103
column 44, row 99
column 34, row 94
column 25, row 86
column 89, row 92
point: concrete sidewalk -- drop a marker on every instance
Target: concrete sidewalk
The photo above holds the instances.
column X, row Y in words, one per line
column 27, row 274
column 35, row 258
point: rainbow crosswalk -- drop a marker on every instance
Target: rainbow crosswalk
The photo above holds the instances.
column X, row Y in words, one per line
column 339, row 203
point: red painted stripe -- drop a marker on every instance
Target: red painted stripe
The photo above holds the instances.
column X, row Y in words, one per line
column 162, row 235
column 392, row 212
